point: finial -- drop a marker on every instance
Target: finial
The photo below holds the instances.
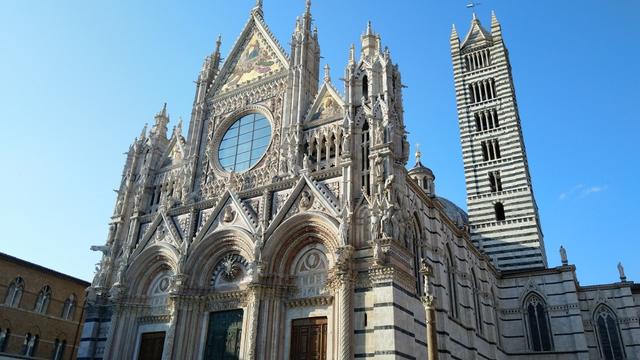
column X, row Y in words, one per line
column 218, row 42
column 327, row 73
column 308, row 7
column 143, row 134
column 369, row 30
column 163, row 112
column 258, row 8
column 352, row 54
column 454, row 32
column 418, row 153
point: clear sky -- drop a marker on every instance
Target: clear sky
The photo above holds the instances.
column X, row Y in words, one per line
column 78, row 80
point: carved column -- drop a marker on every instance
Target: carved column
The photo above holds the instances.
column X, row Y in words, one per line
column 254, row 314
column 177, row 285
column 341, row 280
column 430, row 312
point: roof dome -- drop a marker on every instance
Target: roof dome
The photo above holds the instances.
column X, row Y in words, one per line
column 453, row 212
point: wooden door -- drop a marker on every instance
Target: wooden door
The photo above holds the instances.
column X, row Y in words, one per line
column 151, row 345
column 309, row 339
column 224, row 335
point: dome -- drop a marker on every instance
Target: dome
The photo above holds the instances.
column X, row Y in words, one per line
column 456, row 214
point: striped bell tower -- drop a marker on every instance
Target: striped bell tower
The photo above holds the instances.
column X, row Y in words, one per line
column 503, row 215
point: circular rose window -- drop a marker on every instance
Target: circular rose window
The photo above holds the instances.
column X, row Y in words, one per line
column 245, row 142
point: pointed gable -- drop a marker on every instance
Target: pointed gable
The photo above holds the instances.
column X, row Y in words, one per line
column 255, row 55
column 477, row 35
column 328, row 104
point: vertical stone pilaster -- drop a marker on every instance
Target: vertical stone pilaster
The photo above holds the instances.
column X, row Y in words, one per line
column 254, row 316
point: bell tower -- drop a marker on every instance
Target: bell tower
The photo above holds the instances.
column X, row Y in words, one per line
column 503, row 214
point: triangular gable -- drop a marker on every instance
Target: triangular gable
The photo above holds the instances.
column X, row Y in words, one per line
column 161, row 226
column 477, row 34
column 320, row 195
column 242, row 216
column 328, row 104
column 175, row 151
column 255, row 55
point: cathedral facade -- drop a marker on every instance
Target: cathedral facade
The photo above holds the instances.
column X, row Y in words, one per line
column 287, row 225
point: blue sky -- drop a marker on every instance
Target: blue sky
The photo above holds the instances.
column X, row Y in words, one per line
column 78, row 80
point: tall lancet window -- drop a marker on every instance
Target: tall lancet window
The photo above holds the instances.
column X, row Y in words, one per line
column 537, row 323
column 476, row 301
column 69, row 307
column 451, row 280
column 608, row 334
column 365, row 87
column 42, row 302
column 14, row 294
column 365, row 157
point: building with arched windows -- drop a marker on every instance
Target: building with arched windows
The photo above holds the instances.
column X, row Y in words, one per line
column 286, row 224
column 41, row 311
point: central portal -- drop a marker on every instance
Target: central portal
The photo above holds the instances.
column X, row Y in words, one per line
column 309, row 339
column 223, row 336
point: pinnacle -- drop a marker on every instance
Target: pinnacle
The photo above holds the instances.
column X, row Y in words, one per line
column 369, row 28
column 327, row 73
column 494, row 19
column 454, row 32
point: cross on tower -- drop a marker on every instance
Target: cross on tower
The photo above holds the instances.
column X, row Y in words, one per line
column 472, row 5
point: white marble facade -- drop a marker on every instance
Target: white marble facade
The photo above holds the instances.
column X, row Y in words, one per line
column 289, row 204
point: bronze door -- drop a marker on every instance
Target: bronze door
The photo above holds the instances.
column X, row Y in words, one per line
column 309, row 339
column 224, row 335
column 151, row 345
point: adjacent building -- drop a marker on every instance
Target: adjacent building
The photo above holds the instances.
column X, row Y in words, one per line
column 287, row 224
column 41, row 311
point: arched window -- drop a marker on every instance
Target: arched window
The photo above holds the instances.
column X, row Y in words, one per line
column 29, row 345
column 14, row 294
column 499, row 210
column 476, row 301
column 537, row 323
column 311, row 273
column 451, row 277
column 69, row 307
column 365, row 87
column 4, row 338
column 608, row 333
column 58, row 349
column 42, row 302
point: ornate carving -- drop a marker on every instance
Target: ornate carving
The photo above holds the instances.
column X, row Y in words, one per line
column 229, row 215
column 306, row 200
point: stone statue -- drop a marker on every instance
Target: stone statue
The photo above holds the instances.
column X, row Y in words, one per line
column 385, row 221
column 563, row 255
column 375, row 224
column 623, row 277
column 377, row 253
column 305, row 162
column 343, row 229
column 379, row 167
column 346, row 140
